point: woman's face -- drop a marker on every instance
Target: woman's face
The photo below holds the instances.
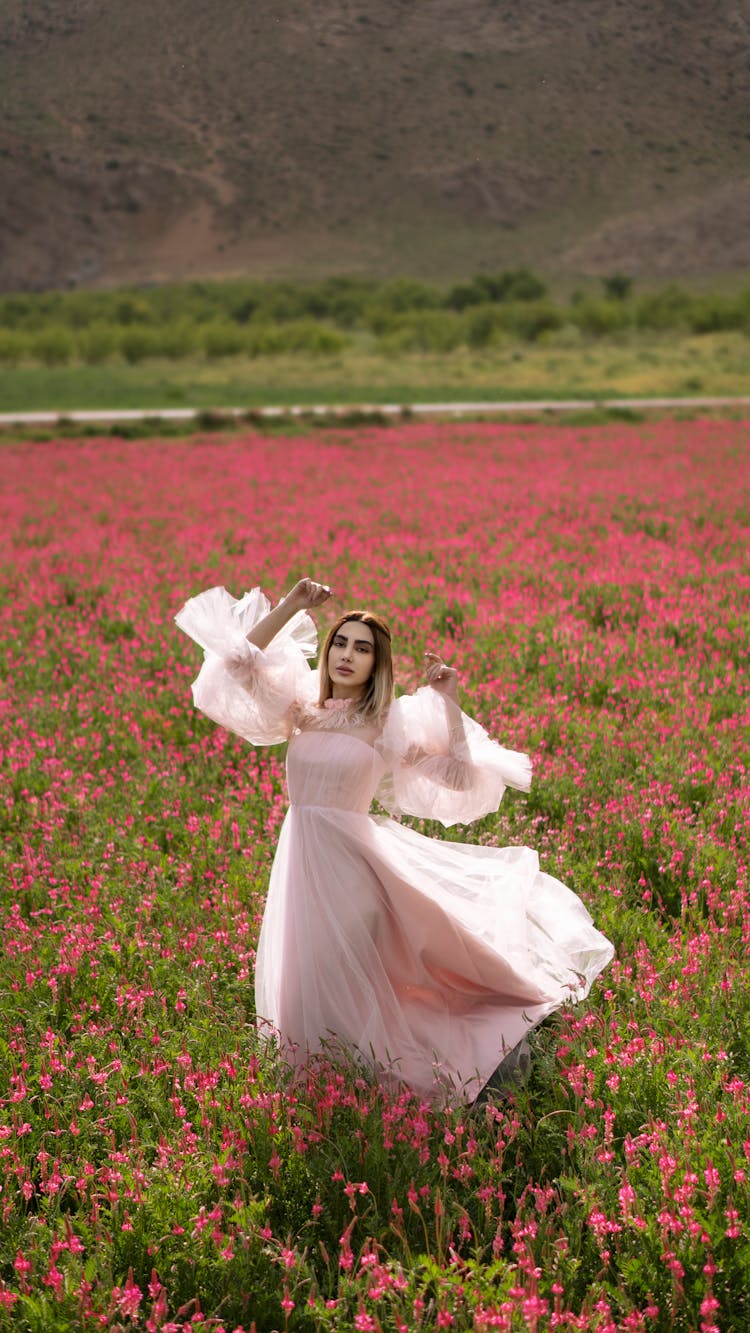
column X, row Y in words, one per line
column 351, row 659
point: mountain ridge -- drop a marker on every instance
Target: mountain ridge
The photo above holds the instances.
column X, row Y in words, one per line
column 146, row 143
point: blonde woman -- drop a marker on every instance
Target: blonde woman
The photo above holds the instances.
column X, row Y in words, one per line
column 428, row 960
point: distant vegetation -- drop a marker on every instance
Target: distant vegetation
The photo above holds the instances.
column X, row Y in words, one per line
column 255, row 319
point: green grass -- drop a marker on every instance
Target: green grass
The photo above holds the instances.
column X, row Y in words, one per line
column 630, row 366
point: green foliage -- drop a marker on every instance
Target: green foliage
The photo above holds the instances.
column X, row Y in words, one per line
column 53, row 346
column 518, row 284
column 466, row 294
column 307, row 335
column 710, row 314
column 14, row 347
column 600, row 318
column 530, row 319
column 618, row 286
column 177, row 339
column 665, row 309
column 220, row 338
column 422, row 331
column 400, row 297
column 253, row 318
column 481, row 326
column 137, row 343
column 97, row 343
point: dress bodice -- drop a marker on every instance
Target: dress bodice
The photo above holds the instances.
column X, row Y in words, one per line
column 332, row 768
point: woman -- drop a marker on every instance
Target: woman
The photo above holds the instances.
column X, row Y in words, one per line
column 429, row 960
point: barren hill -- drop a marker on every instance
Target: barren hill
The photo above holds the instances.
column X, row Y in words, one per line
column 172, row 138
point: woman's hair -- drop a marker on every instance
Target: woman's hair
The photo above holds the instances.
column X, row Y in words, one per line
column 379, row 688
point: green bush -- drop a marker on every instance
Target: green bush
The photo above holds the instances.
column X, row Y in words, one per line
column 423, row 331
column 598, row 318
column 79, row 309
column 713, row 314
column 130, row 309
column 618, row 286
column 243, row 307
column 568, row 335
column 53, row 345
column 138, row 344
column 481, row 326
column 529, row 320
column 307, row 335
column 343, row 300
column 281, row 303
column 398, row 297
column 466, row 294
column 177, row 339
column 222, row 339
column 665, row 309
column 97, row 343
column 15, row 311
column 297, row 337
column 515, row 284
column 263, row 340
column 14, row 347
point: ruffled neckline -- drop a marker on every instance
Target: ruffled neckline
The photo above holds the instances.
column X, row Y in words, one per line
column 333, row 714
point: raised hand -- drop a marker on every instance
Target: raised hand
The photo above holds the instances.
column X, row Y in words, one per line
column 307, row 593
column 440, row 676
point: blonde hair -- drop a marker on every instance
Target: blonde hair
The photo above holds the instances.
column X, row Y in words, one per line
column 378, row 693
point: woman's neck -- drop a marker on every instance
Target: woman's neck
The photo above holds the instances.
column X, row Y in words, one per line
column 347, row 695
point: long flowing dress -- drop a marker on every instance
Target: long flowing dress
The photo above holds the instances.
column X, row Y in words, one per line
column 429, row 960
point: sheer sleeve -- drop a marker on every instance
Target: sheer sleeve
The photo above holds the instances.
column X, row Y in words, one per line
column 250, row 691
column 443, row 765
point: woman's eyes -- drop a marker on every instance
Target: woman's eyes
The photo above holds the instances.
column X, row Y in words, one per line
column 358, row 647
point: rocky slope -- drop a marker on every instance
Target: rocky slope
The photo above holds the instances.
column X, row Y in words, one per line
column 145, row 141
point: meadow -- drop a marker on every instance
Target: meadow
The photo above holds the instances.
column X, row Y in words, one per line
column 158, row 1168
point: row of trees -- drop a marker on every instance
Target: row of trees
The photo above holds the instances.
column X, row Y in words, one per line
column 251, row 319
column 345, row 302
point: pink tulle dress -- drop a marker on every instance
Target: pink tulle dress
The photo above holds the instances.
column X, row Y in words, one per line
column 429, row 960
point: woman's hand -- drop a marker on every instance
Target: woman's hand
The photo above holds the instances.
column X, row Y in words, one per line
column 303, row 595
column 307, row 593
column 441, row 677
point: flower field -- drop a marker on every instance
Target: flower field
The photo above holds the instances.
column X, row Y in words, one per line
column 158, row 1168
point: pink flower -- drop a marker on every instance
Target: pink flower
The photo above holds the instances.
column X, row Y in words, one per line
column 128, row 1298
column 364, row 1323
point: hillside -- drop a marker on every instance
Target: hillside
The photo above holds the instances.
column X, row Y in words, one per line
column 186, row 138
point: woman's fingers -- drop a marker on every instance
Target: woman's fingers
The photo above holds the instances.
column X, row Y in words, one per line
column 437, row 669
column 312, row 593
column 320, row 592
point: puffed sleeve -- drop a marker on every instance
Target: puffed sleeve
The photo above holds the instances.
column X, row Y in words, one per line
column 251, row 691
column 443, row 765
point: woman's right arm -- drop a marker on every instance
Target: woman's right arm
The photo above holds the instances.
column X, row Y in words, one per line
column 304, row 595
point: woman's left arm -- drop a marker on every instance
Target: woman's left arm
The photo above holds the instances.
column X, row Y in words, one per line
column 454, row 768
column 442, row 764
column 444, row 680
